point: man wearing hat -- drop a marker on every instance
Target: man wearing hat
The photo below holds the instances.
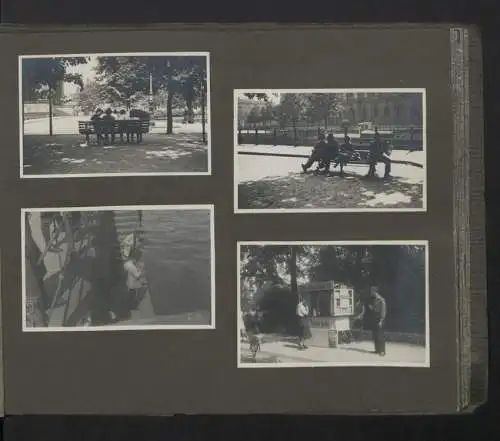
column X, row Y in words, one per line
column 374, row 312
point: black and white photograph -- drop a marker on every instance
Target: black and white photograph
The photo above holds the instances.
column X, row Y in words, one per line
column 118, row 268
column 324, row 150
column 127, row 114
column 312, row 304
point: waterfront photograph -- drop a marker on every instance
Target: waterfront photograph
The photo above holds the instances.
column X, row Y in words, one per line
column 312, row 304
column 116, row 268
column 129, row 114
column 324, row 150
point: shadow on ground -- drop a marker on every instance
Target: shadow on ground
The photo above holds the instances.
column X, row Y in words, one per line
column 299, row 190
column 158, row 153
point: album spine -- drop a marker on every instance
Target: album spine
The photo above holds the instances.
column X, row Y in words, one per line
column 461, row 205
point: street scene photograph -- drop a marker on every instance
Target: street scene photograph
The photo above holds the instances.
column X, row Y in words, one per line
column 118, row 268
column 321, row 150
column 129, row 114
column 310, row 304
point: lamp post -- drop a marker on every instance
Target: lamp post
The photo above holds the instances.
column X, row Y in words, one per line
column 203, row 123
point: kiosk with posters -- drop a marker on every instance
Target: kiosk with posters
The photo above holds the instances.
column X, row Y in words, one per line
column 332, row 306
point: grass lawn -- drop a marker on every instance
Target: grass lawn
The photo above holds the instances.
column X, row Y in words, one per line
column 158, row 153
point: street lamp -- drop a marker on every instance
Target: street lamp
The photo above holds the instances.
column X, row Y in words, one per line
column 151, row 98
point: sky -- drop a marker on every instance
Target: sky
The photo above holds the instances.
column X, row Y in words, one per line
column 274, row 97
column 87, row 72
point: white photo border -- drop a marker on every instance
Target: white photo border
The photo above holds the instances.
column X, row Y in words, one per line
column 425, row 364
column 237, row 210
column 211, row 326
column 22, row 175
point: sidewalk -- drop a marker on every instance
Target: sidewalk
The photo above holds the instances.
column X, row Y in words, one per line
column 357, row 352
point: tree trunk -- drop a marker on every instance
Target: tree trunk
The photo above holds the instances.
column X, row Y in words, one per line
column 203, row 129
column 169, row 113
column 293, row 271
column 51, row 127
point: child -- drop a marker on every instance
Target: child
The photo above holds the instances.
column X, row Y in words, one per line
column 136, row 281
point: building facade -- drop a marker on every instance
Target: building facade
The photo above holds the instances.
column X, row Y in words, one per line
column 398, row 109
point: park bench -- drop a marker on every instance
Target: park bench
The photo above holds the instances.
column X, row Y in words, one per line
column 109, row 129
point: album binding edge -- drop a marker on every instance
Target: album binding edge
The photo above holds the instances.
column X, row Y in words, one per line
column 468, row 213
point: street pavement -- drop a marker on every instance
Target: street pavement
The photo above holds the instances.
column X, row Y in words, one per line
column 278, row 182
column 358, row 352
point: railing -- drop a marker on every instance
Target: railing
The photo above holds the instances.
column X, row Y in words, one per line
column 403, row 138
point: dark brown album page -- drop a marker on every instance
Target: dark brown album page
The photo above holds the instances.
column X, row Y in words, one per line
column 192, row 182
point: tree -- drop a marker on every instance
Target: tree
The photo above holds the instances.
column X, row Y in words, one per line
column 45, row 74
column 259, row 96
column 254, row 116
column 291, row 109
column 267, row 113
column 128, row 80
column 321, row 106
column 92, row 95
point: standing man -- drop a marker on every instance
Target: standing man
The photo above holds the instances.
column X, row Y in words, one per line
column 377, row 150
column 374, row 313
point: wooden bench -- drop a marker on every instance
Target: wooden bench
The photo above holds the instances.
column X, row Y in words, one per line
column 109, row 129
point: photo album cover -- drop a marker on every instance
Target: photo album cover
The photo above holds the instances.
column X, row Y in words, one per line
column 251, row 219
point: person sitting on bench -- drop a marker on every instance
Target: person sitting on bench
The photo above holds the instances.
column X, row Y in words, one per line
column 330, row 154
column 108, row 125
column 378, row 148
column 317, row 153
column 95, row 118
column 122, row 116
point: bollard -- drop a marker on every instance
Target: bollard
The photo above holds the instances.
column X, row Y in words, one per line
column 333, row 338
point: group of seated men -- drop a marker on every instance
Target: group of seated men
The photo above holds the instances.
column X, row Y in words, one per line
column 326, row 152
column 104, row 125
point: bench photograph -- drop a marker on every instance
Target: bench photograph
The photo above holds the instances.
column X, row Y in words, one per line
column 127, row 114
column 322, row 150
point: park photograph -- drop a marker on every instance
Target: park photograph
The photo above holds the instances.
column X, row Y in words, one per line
column 324, row 150
column 124, row 114
column 118, row 268
column 313, row 304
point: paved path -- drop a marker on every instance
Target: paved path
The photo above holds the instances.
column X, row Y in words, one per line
column 65, row 125
column 354, row 353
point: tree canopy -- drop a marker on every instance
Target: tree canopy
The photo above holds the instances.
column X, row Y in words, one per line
column 296, row 107
column 398, row 270
column 47, row 73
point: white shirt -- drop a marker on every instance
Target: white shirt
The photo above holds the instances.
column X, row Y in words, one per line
column 134, row 275
column 302, row 310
